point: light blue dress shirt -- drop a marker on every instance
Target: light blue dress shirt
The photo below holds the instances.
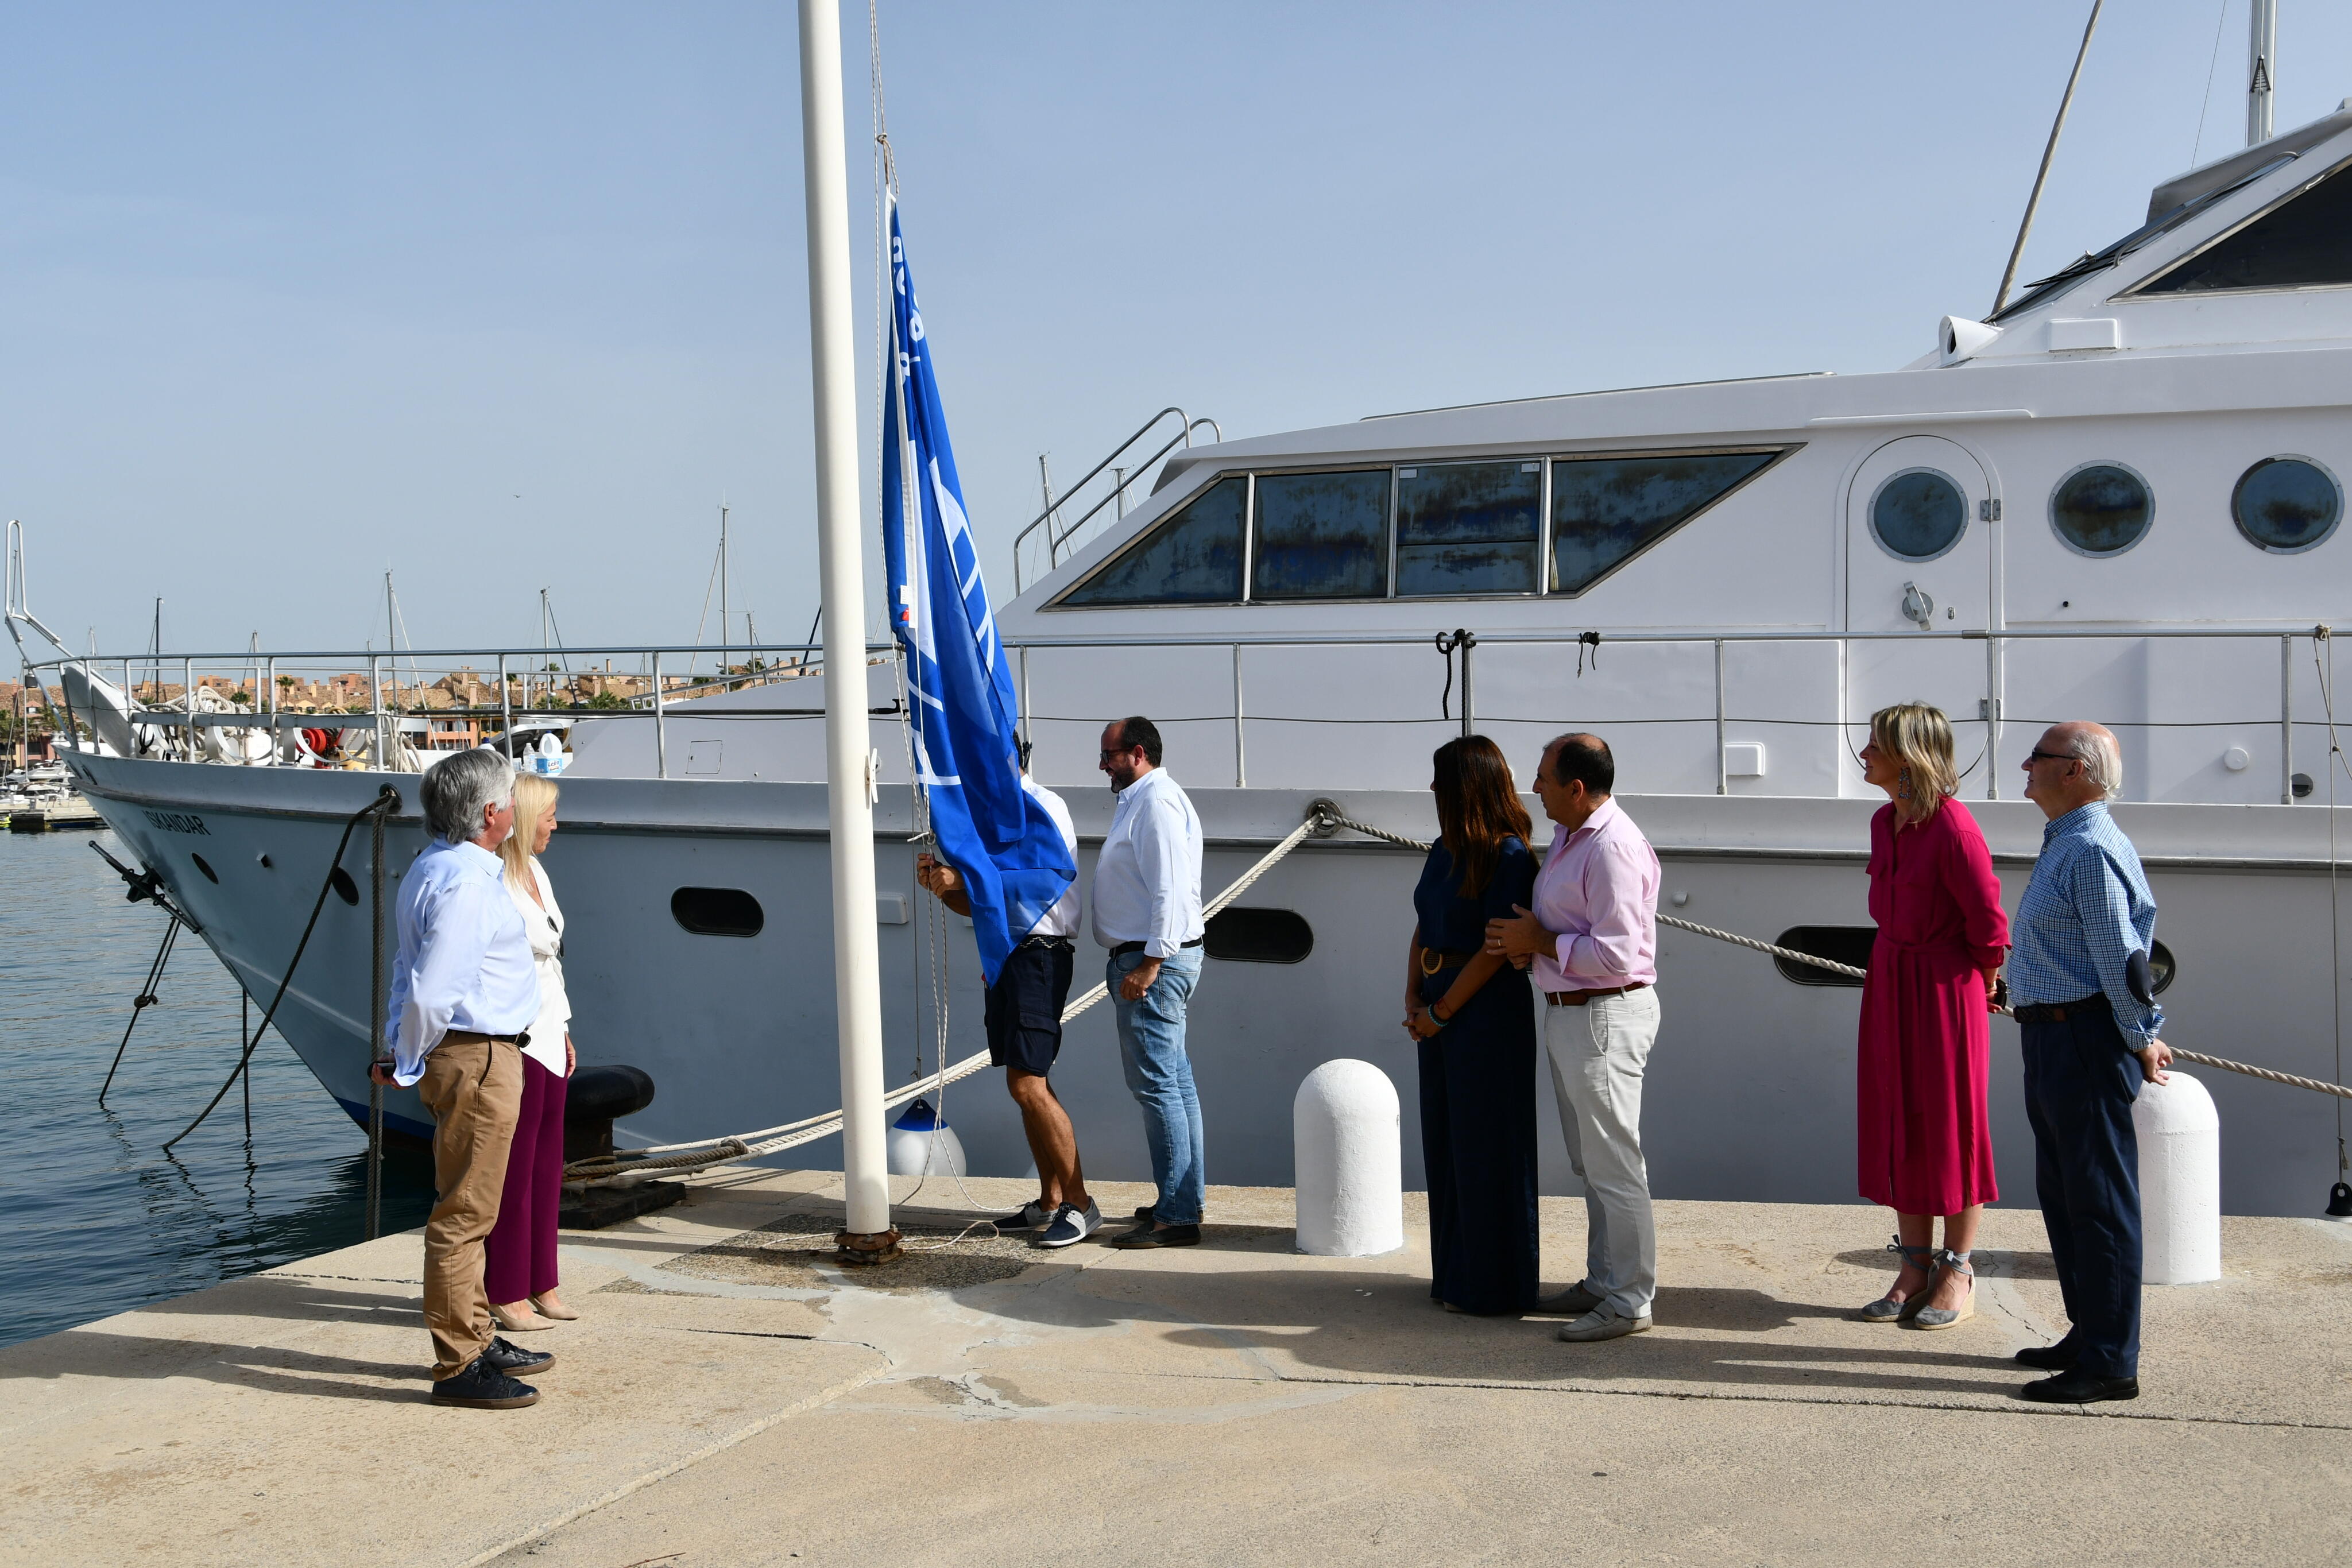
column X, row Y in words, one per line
column 463, row 960
column 2085, row 911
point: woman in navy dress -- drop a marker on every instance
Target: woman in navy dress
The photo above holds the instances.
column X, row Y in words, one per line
column 1475, row 1019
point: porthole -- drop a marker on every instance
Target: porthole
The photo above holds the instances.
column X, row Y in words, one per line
column 1849, row 945
column 210, row 874
column 1259, row 937
column 2102, row 509
column 2160, row 968
column 2286, row 505
column 717, row 910
column 1918, row 514
column 345, row 888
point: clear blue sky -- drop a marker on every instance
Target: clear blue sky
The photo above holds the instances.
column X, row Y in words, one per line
column 508, row 296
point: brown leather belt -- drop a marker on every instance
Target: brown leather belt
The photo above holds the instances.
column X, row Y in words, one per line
column 1437, row 960
column 1578, row 998
column 2057, row 1012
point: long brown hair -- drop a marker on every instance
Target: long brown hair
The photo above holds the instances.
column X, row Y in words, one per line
column 1478, row 807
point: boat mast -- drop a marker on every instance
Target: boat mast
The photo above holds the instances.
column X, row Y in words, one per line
column 2262, row 69
column 723, row 621
column 851, row 763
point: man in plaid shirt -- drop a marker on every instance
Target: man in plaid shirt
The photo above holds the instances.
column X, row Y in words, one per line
column 2078, row 982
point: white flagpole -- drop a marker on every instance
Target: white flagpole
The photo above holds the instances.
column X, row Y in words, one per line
column 856, row 959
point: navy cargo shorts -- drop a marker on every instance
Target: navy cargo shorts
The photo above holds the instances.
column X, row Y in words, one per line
column 1025, row 1006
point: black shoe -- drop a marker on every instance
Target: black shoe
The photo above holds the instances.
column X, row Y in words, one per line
column 2081, row 1388
column 482, row 1386
column 1160, row 1236
column 2059, row 1357
column 1143, row 1215
column 1033, row 1216
column 505, row 1355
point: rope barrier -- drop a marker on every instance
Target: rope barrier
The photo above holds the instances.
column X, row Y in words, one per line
column 2268, row 1074
column 776, row 1140
column 1322, row 817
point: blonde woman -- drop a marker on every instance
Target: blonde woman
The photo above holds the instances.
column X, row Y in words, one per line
column 519, row 1257
column 1924, row 1145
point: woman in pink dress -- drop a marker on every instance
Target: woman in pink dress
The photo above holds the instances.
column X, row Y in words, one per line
column 1924, row 1145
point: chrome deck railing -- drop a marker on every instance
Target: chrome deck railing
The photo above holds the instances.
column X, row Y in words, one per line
column 1058, row 538
column 531, row 697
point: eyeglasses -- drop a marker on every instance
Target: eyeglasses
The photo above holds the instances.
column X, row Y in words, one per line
column 1106, row 753
column 2034, row 756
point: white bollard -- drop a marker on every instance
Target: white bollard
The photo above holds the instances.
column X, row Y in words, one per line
column 2179, row 1182
column 1348, row 1161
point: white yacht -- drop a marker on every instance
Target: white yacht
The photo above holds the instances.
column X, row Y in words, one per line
column 2119, row 498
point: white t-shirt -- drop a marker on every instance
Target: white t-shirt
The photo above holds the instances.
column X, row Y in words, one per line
column 1061, row 920
column 542, row 921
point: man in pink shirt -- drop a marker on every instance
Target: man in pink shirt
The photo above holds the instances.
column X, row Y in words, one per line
column 1593, row 938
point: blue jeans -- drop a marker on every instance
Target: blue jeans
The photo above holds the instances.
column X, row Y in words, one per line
column 1159, row 1076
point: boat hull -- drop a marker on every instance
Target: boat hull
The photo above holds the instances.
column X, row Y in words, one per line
column 1751, row 1089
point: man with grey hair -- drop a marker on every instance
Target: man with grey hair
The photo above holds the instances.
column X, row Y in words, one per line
column 2079, row 984
column 464, row 993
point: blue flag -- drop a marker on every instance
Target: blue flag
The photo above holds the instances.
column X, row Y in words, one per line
column 962, row 707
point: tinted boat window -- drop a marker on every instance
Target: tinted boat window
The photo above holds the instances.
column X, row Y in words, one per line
column 1468, row 528
column 1192, row 558
column 1919, row 514
column 2303, row 242
column 1606, row 510
column 1246, row 936
column 1322, row 536
column 2101, row 509
column 2286, row 504
column 717, row 910
column 1848, row 945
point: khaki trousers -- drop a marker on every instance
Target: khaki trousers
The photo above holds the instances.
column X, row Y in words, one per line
column 1599, row 1052
column 473, row 1086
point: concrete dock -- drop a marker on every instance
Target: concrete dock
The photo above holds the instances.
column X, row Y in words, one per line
column 730, row 1398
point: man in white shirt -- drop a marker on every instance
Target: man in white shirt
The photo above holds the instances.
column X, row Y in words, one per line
column 464, row 993
column 1146, row 911
column 1025, row 1037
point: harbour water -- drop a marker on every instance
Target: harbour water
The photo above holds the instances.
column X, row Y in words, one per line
column 99, row 1218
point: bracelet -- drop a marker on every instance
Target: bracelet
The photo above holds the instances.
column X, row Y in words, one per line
column 1432, row 1011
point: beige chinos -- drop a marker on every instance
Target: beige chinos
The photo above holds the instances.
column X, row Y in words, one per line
column 473, row 1086
column 1599, row 1051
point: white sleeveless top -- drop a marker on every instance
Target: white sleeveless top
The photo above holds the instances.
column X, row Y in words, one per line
column 543, row 923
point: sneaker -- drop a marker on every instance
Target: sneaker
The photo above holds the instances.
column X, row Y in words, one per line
column 505, row 1355
column 482, row 1386
column 1601, row 1323
column 1033, row 1216
column 1071, row 1226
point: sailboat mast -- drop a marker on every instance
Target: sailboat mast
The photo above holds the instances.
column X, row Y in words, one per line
column 2262, row 69
column 850, row 762
column 724, row 623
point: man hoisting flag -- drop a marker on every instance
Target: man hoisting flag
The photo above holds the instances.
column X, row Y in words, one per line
column 1013, row 862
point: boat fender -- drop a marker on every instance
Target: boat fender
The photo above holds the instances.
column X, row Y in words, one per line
column 920, row 1138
